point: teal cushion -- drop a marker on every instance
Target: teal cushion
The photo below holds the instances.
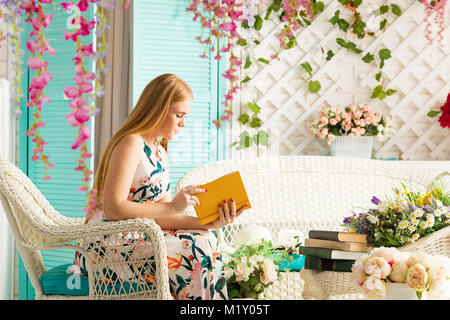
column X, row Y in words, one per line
column 293, row 262
column 58, row 281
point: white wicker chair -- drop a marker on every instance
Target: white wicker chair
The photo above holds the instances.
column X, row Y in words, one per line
column 37, row 226
column 309, row 192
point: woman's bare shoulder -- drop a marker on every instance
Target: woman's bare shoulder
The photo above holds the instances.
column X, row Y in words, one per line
column 130, row 145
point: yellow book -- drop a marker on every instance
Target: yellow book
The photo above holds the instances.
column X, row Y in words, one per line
column 227, row 187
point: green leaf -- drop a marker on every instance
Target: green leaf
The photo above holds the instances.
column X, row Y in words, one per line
column 292, row 42
column 368, row 58
column 264, row 60
column 246, row 79
column 318, row 7
column 262, row 138
column 243, row 118
column 381, row 10
column 433, row 113
column 378, row 76
column 244, row 141
column 343, row 25
column 258, row 22
column 248, row 62
column 396, row 10
column 352, row 47
column 356, row 3
column 419, row 295
column 358, row 28
column 344, row 2
column 376, row 91
column 314, row 86
column 342, row 42
column 330, row 55
column 256, row 41
column 383, row 24
column 384, row 54
column 307, row 67
column 255, row 123
column 254, row 107
column 390, row 92
column 242, row 42
column 335, row 18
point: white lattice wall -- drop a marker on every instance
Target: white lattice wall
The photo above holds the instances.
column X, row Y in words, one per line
column 419, row 72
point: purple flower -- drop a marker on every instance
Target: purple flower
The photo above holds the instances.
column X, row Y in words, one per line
column 375, row 200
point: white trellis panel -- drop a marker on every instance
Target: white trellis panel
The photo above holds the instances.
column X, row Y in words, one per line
column 418, row 71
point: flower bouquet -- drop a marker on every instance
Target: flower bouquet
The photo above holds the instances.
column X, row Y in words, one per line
column 404, row 218
column 250, row 269
column 353, row 121
column 376, row 271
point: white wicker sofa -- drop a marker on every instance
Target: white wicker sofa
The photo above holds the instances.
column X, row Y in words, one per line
column 311, row 192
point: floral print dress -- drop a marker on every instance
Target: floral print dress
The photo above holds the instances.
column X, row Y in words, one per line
column 196, row 270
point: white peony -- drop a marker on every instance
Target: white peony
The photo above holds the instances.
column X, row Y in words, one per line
column 243, row 271
column 377, row 266
column 374, row 288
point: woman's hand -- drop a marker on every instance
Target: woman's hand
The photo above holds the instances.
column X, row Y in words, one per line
column 185, row 197
column 227, row 214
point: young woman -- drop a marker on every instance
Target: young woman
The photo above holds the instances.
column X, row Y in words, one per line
column 132, row 180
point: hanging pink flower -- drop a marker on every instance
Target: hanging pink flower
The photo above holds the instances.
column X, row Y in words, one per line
column 34, row 63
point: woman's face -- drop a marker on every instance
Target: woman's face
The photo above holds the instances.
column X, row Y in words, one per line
column 175, row 119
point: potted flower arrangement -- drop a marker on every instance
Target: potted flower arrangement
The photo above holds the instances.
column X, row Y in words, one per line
column 359, row 122
column 387, row 273
column 250, row 269
column 404, row 218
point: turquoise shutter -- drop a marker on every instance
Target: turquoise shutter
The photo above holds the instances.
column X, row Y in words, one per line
column 62, row 190
column 164, row 42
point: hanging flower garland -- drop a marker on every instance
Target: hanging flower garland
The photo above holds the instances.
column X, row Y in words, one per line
column 81, row 110
column 436, row 8
column 13, row 17
column 39, row 21
column 221, row 18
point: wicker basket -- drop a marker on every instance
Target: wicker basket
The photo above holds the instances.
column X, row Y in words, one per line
column 352, row 147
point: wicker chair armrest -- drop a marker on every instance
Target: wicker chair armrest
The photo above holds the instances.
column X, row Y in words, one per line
column 85, row 233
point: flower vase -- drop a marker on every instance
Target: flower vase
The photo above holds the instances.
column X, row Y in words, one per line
column 353, row 147
column 401, row 291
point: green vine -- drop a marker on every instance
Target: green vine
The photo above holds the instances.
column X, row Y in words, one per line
column 293, row 17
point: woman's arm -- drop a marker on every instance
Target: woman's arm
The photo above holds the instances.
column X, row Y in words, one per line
column 178, row 221
column 181, row 221
column 122, row 167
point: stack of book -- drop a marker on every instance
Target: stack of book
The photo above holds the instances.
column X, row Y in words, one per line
column 333, row 250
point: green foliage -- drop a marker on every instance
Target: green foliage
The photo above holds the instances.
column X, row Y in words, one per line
column 307, row 67
column 245, row 139
column 314, row 86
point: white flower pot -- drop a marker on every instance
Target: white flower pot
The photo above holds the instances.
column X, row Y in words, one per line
column 401, row 291
column 353, row 147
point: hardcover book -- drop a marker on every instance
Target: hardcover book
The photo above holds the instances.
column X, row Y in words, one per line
column 326, row 253
column 316, row 263
column 338, row 236
column 227, row 187
column 339, row 245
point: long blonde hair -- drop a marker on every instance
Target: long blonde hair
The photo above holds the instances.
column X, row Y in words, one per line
column 148, row 114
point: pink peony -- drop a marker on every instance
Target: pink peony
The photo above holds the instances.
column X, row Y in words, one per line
column 269, row 272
